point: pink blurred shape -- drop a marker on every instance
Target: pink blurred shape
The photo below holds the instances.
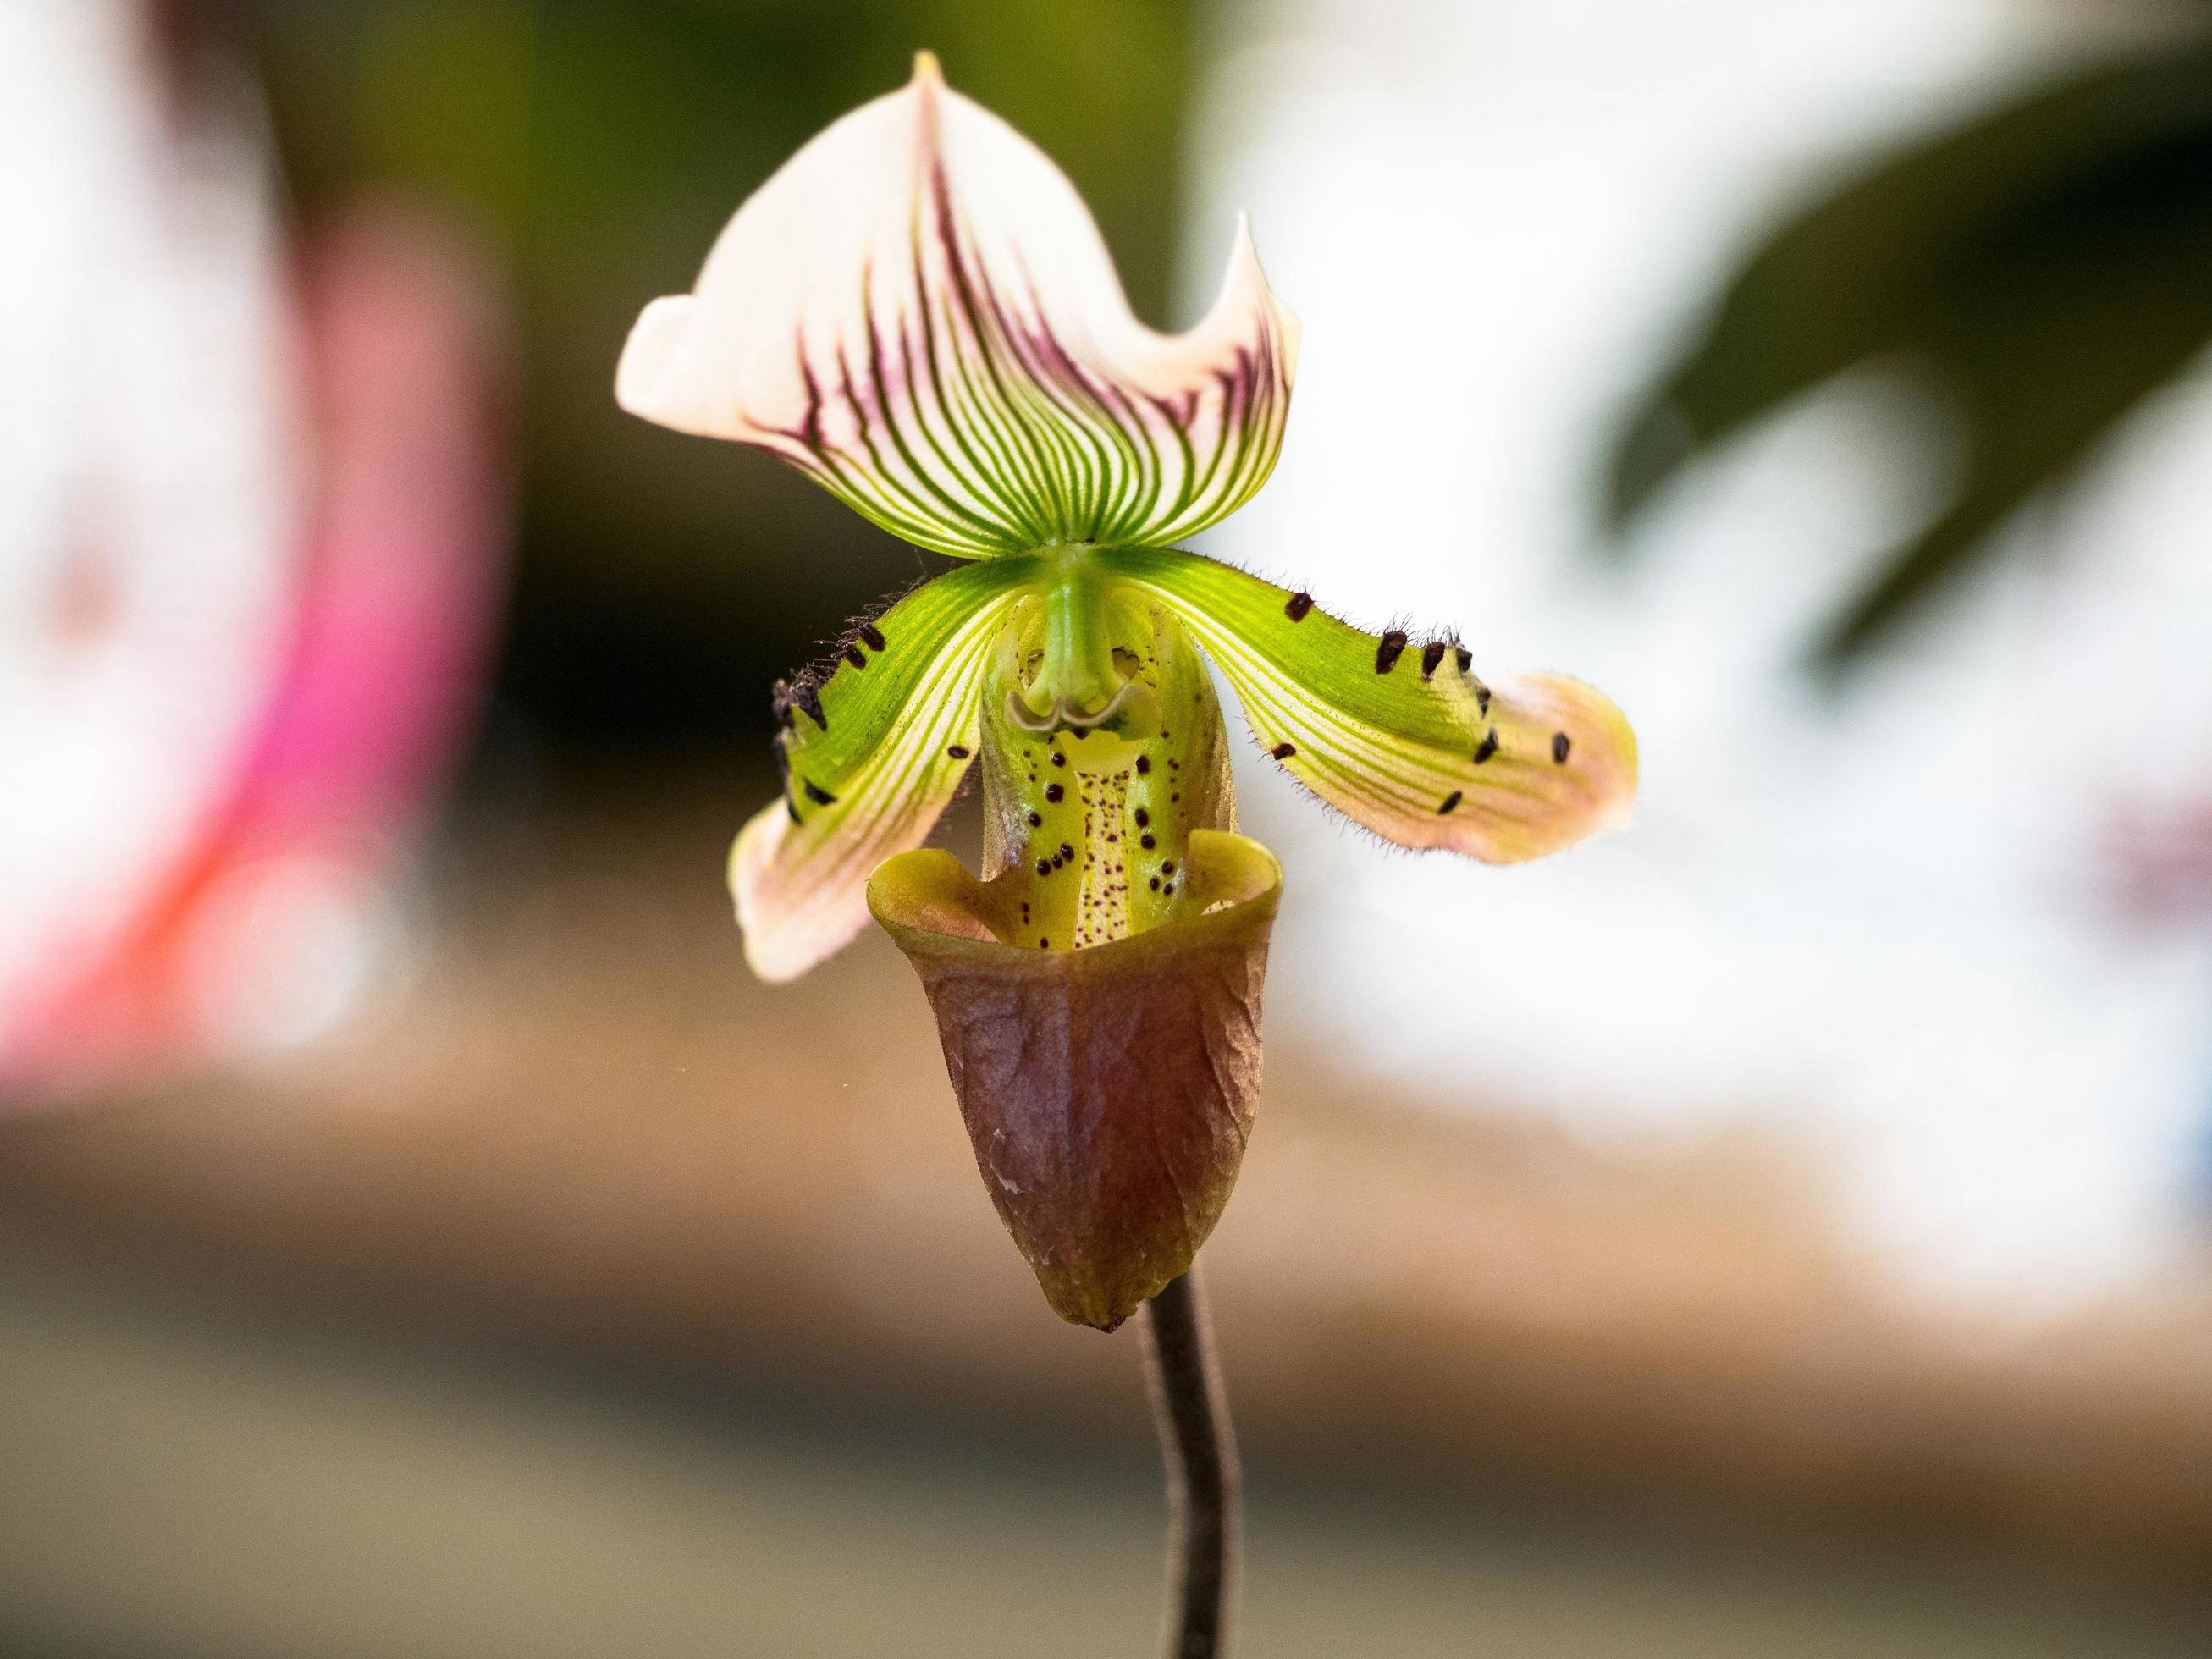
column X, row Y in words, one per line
column 251, row 931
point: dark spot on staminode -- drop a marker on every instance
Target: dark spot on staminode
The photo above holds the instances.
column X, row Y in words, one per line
column 1143, row 818
column 1432, row 656
column 817, row 793
column 1143, row 765
column 1053, row 791
column 873, row 636
column 1389, row 649
column 1560, row 745
column 1044, row 866
column 1148, row 840
column 1036, row 818
column 1059, row 759
column 855, row 656
column 958, row 750
column 1488, row 747
column 1300, row 603
column 1450, row 803
column 1284, row 751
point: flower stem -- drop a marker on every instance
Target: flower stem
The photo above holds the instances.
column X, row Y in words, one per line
column 1199, row 1446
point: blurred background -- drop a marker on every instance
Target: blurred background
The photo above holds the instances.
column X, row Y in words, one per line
column 1779, row 1228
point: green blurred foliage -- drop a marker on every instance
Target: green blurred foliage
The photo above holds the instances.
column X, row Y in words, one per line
column 2046, row 266
column 599, row 145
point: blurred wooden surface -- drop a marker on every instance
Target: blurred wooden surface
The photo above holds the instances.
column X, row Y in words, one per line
column 583, row 1122
column 195, row 1475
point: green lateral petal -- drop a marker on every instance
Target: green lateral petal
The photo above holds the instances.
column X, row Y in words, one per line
column 872, row 752
column 1400, row 736
column 918, row 313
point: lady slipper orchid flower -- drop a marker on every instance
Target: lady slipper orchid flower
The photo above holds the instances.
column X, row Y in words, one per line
column 917, row 312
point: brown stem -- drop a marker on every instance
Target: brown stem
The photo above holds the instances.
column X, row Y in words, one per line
column 1199, row 1446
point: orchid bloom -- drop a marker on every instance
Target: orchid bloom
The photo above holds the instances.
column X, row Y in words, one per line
column 918, row 311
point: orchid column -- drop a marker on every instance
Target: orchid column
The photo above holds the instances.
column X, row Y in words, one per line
column 918, row 313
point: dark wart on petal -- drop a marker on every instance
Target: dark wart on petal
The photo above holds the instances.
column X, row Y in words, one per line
column 958, row 750
column 1488, row 747
column 1450, row 803
column 873, row 636
column 1053, row 791
column 1300, row 603
column 855, row 656
column 1044, row 866
column 1036, row 818
column 1389, row 649
column 817, row 793
column 1143, row 765
column 1432, row 656
column 806, row 692
column 1466, row 658
column 1560, row 745
column 1284, row 751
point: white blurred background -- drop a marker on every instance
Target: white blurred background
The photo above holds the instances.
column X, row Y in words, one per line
column 1891, row 921
column 1774, row 1228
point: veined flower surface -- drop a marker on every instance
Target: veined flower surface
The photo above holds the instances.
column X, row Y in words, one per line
column 918, row 311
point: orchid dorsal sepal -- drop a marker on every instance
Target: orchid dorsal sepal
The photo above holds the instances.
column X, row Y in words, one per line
column 1108, row 1092
column 918, row 311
